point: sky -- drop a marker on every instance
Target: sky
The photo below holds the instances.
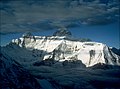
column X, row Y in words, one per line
column 94, row 19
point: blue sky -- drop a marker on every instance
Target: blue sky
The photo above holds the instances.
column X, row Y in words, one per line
column 107, row 34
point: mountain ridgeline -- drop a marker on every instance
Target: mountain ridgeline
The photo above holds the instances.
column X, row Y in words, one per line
column 63, row 47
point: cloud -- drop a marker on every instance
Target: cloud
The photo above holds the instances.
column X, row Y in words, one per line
column 35, row 15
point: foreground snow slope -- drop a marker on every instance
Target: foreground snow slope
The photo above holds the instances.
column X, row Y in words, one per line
column 63, row 48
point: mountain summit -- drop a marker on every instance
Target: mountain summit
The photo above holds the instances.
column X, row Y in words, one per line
column 63, row 32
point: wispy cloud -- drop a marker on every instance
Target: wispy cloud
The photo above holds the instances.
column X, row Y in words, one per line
column 37, row 15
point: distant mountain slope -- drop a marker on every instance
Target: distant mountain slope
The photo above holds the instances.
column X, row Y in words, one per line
column 14, row 76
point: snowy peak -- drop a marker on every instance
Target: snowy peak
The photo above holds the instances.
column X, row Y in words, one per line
column 61, row 48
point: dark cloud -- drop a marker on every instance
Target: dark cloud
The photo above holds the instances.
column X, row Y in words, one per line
column 38, row 15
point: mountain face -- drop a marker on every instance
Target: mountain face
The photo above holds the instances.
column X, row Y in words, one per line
column 58, row 48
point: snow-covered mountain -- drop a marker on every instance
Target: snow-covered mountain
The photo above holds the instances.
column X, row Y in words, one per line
column 30, row 49
column 58, row 62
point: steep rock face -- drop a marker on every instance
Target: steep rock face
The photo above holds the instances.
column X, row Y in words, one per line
column 14, row 76
column 61, row 48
